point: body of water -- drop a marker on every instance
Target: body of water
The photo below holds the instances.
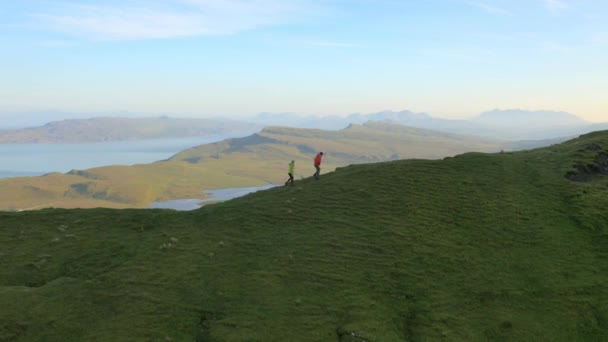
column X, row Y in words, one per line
column 18, row 160
column 214, row 195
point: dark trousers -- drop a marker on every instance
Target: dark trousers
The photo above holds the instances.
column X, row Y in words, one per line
column 318, row 171
column 290, row 180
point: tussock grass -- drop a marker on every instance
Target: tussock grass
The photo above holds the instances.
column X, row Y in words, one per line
column 498, row 247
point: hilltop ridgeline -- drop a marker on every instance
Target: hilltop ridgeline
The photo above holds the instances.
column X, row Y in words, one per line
column 498, row 247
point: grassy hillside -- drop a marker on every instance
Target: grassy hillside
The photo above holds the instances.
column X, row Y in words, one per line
column 255, row 160
column 114, row 129
column 479, row 247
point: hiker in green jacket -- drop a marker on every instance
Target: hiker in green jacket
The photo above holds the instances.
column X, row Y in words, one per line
column 290, row 173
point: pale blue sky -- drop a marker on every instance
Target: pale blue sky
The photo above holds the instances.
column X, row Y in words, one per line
column 450, row 58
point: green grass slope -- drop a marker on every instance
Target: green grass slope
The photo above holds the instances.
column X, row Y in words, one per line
column 479, row 247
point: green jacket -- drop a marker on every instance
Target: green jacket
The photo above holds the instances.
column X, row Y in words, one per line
column 291, row 167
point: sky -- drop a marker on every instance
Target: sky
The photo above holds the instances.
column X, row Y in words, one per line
column 234, row 58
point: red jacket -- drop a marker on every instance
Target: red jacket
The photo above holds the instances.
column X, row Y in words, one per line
column 318, row 159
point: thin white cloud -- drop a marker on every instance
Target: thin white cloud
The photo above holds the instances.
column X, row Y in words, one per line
column 56, row 43
column 601, row 39
column 469, row 54
column 170, row 18
column 295, row 41
column 555, row 6
column 333, row 44
column 491, row 9
column 554, row 47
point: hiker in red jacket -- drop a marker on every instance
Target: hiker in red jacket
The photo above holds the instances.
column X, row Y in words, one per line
column 318, row 164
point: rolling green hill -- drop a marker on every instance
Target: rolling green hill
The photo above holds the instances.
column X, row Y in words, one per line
column 255, row 160
column 478, row 247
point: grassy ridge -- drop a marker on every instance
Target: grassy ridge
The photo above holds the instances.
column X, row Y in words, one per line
column 251, row 161
column 478, row 247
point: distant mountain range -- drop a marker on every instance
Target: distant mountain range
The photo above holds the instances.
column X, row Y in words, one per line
column 512, row 125
column 501, row 124
column 116, row 129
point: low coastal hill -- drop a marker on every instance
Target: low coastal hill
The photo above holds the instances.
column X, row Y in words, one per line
column 122, row 129
column 369, row 142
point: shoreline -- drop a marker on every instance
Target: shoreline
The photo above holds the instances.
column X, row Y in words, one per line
column 216, row 195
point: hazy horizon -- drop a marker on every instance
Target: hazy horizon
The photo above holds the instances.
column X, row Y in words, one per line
column 452, row 59
column 25, row 119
